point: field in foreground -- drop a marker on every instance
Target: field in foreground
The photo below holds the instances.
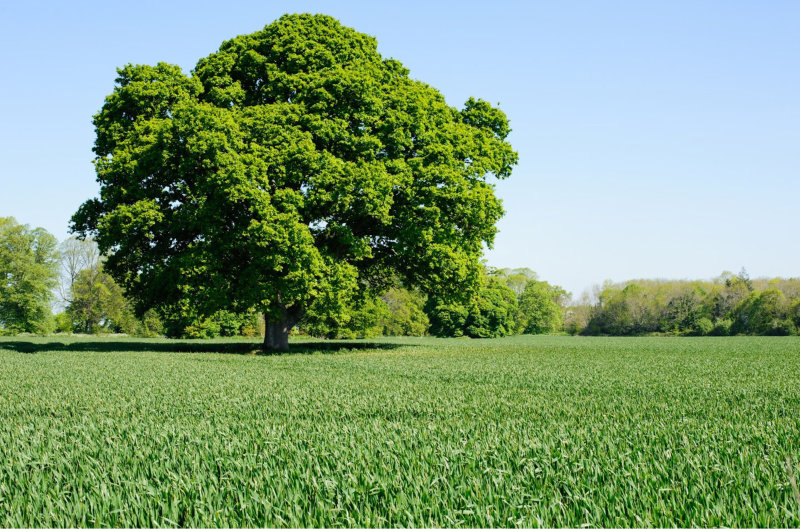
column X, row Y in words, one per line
column 524, row 431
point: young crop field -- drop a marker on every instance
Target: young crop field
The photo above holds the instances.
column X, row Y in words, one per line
column 524, row 431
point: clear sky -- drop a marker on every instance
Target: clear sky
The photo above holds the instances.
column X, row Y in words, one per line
column 655, row 139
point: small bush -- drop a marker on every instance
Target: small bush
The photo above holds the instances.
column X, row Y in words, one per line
column 63, row 322
column 206, row 328
column 702, row 327
column 781, row 328
column 722, row 328
column 228, row 322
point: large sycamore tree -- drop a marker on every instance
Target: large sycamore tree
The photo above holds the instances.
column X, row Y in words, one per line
column 292, row 170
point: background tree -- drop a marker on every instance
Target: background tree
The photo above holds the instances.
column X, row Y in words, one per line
column 361, row 319
column 28, row 275
column 516, row 278
column 397, row 312
column 577, row 315
column 292, row 169
column 541, row 307
column 448, row 319
column 93, row 301
column 76, row 255
column 489, row 314
column 763, row 313
column 98, row 304
column 733, row 290
column 794, row 313
column 405, row 314
column 685, row 309
column 221, row 323
column 496, row 312
column 632, row 310
column 150, row 325
column 182, row 320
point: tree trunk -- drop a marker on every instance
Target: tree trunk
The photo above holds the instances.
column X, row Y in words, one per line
column 276, row 330
column 276, row 334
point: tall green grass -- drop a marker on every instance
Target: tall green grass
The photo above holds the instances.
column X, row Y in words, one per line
column 524, row 431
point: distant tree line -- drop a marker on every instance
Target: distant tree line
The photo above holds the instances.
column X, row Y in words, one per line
column 47, row 287
column 728, row 305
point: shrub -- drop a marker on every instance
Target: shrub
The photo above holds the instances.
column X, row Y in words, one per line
column 151, row 325
column 702, row 327
column 229, row 323
column 781, row 328
column 206, row 328
column 63, row 322
column 794, row 313
column 722, row 328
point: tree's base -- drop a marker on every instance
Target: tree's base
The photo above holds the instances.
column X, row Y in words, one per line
column 276, row 336
column 268, row 349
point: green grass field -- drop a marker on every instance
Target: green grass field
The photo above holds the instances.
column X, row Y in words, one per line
column 524, row 431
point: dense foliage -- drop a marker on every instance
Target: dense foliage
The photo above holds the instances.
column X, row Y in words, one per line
column 491, row 313
column 397, row 312
column 181, row 321
column 98, row 303
column 507, row 302
column 730, row 304
column 511, row 301
column 293, row 171
column 405, row 315
column 28, row 276
column 541, row 308
column 93, row 302
column 523, row 431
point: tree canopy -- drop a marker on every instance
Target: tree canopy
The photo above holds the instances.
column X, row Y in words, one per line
column 541, row 307
column 293, row 168
column 28, row 274
column 490, row 313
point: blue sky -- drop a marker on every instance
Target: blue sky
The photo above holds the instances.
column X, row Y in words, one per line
column 655, row 139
